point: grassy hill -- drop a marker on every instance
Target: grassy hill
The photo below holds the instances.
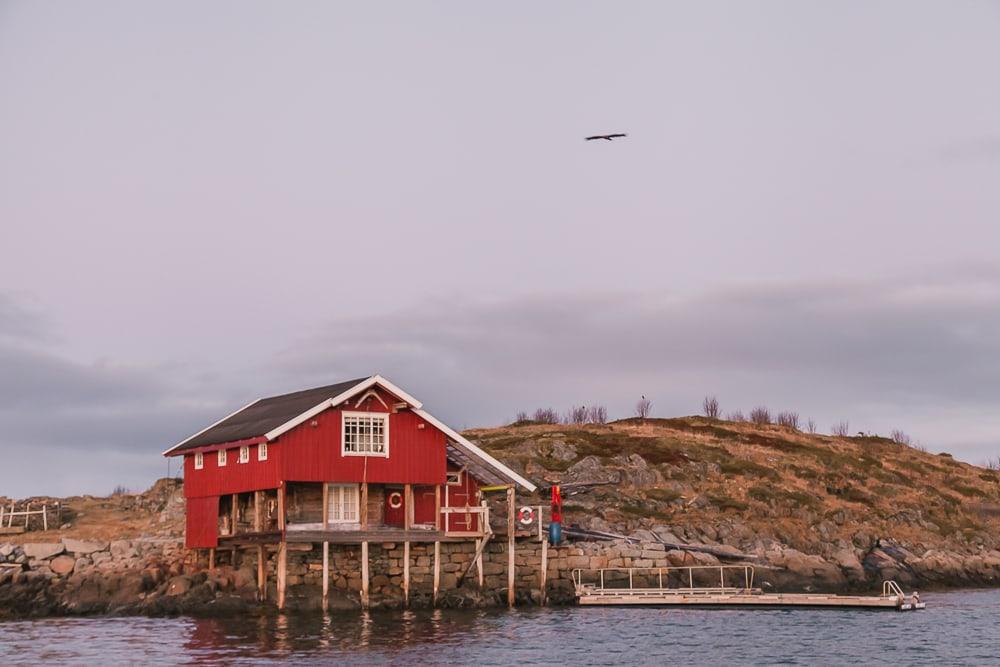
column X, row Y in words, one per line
column 735, row 482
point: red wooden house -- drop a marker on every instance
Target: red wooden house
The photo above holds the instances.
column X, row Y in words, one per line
column 348, row 463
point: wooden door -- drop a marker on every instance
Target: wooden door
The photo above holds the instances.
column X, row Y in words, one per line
column 395, row 507
column 424, row 505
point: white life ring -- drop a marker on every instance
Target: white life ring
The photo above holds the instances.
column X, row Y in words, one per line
column 395, row 500
column 526, row 515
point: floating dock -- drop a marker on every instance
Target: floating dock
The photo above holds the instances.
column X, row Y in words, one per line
column 676, row 586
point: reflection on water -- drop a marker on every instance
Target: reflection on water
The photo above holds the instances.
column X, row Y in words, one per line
column 958, row 628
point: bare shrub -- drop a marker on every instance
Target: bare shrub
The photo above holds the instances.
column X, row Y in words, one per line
column 789, row 419
column 577, row 415
column 546, row 416
column 811, row 425
column 992, row 464
column 710, row 406
column 760, row 416
column 900, row 438
column 597, row 414
column 120, row 491
column 737, row 416
column 522, row 416
column 643, row 407
column 843, row 429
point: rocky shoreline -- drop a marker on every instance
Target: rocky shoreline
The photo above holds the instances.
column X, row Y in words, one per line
column 157, row 576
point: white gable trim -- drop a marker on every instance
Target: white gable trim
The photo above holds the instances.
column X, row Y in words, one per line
column 212, row 425
column 492, row 462
column 340, row 398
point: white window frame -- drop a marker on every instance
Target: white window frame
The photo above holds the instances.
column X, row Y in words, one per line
column 335, row 498
column 262, row 451
column 221, row 457
column 457, row 478
column 245, row 454
column 344, row 416
column 199, row 460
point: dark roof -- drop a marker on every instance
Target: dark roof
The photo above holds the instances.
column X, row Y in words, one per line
column 264, row 415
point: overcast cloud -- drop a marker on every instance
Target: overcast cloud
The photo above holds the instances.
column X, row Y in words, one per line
column 205, row 203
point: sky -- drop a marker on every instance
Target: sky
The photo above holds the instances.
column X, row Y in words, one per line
column 205, row 203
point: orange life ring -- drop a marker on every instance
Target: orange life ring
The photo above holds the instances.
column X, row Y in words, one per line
column 526, row 515
column 395, row 500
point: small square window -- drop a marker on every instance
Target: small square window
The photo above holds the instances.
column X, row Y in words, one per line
column 245, row 454
column 262, row 451
column 454, row 478
column 199, row 460
column 222, row 458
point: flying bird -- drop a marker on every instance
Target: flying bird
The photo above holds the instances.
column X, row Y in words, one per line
column 606, row 137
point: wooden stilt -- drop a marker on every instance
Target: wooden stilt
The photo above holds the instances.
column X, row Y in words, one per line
column 258, row 511
column 437, row 571
column 326, row 576
column 211, row 560
column 479, row 561
column 407, row 506
column 510, row 546
column 282, row 572
column 234, row 514
column 406, row 573
column 261, row 573
column 364, row 575
column 544, row 571
column 326, row 506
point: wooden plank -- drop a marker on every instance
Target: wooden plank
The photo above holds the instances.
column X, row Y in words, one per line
column 364, row 575
column 510, row 546
column 211, row 560
column 406, row 573
column 11, row 530
column 234, row 513
column 437, row 571
column 370, row 535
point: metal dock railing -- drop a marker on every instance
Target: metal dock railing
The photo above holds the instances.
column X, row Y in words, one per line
column 714, row 585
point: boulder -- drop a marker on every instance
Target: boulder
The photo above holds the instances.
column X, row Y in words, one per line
column 178, row 585
column 42, row 550
column 6, row 550
column 62, row 565
column 83, row 547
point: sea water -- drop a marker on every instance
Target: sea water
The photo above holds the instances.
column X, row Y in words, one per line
column 957, row 628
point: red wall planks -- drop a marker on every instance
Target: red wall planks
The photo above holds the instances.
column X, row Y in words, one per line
column 313, row 453
column 202, row 523
column 234, row 477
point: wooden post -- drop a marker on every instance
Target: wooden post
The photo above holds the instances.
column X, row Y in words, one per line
column 281, row 509
column 326, row 576
column 437, row 507
column 437, row 570
column 258, row 512
column 364, row 574
column 234, row 511
column 510, row 546
column 282, row 571
column 545, row 568
column 406, row 573
column 45, row 518
column 407, row 506
column 326, row 506
column 364, row 505
column 261, row 573
column 211, row 560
